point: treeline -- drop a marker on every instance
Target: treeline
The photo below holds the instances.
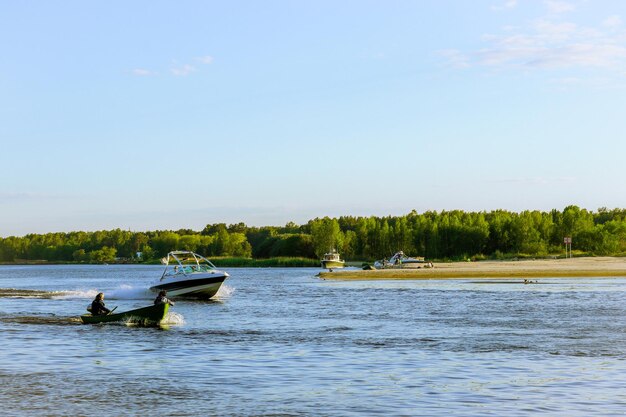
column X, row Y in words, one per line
column 434, row 235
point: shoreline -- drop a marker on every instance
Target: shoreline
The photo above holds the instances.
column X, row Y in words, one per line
column 544, row 268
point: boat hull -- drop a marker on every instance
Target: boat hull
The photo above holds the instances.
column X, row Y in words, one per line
column 197, row 287
column 408, row 265
column 333, row 264
column 146, row 315
column 404, row 265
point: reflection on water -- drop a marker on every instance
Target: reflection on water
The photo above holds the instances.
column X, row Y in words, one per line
column 281, row 342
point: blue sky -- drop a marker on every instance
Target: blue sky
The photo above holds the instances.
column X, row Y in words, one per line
column 149, row 115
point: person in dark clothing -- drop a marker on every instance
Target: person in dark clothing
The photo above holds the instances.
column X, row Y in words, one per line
column 97, row 306
column 162, row 299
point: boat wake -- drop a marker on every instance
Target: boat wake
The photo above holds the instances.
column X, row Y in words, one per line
column 123, row 292
column 173, row 319
column 128, row 292
column 53, row 320
column 224, row 292
column 17, row 293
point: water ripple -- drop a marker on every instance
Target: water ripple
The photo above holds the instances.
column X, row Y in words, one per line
column 285, row 343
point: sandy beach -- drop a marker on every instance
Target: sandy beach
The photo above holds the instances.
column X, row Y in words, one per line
column 556, row 268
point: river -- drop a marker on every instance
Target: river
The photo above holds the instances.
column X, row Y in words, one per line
column 284, row 342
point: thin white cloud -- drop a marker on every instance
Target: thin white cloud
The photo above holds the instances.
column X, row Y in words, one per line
column 536, row 180
column 207, row 59
column 552, row 32
column 568, row 80
column 140, row 72
column 509, row 4
column 176, row 69
column 182, row 70
column 555, row 6
column 597, row 82
column 547, row 43
column 456, row 58
column 612, row 21
column 565, row 56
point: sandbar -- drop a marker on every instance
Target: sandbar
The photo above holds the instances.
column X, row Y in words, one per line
column 589, row 267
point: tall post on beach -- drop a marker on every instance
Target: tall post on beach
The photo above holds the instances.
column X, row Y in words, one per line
column 568, row 241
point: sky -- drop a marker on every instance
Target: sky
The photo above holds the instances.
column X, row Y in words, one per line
column 152, row 115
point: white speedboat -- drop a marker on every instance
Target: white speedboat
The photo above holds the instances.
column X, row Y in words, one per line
column 189, row 274
column 400, row 260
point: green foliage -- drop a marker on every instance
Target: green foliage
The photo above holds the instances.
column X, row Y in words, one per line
column 279, row 262
column 326, row 235
column 456, row 234
column 106, row 254
column 80, row 255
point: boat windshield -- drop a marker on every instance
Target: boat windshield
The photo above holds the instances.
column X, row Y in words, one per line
column 401, row 257
column 183, row 262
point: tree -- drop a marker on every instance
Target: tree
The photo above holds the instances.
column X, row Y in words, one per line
column 189, row 242
column 147, row 253
column 106, row 254
column 348, row 250
column 238, row 245
column 165, row 242
column 326, row 235
column 80, row 255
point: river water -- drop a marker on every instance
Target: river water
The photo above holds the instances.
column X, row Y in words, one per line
column 284, row 342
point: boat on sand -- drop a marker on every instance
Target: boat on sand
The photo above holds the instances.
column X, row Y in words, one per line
column 400, row 260
column 189, row 274
column 151, row 315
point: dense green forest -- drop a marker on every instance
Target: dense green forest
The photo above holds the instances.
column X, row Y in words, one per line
column 434, row 235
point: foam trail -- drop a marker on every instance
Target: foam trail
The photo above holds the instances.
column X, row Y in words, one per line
column 225, row 291
column 17, row 293
column 77, row 294
column 128, row 292
column 173, row 318
column 123, row 292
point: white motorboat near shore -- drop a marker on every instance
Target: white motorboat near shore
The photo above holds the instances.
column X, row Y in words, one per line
column 332, row 260
column 189, row 274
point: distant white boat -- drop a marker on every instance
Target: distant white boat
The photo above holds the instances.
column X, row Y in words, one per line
column 332, row 260
column 400, row 260
column 189, row 274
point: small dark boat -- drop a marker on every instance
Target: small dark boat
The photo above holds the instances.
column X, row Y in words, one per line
column 145, row 316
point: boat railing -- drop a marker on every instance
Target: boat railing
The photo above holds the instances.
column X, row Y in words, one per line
column 186, row 263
